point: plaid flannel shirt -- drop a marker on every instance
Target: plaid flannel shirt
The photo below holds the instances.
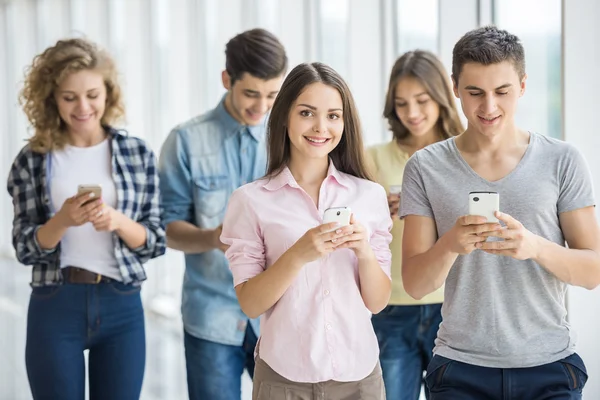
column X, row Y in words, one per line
column 136, row 180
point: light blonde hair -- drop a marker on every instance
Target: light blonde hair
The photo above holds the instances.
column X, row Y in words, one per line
column 45, row 74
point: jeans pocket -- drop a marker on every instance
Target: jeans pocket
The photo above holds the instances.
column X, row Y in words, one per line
column 123, row 289
column 45, row 292
column 436, row 370
column 576, row 371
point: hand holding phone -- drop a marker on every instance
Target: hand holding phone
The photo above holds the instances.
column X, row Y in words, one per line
column 77, row 210
column 321, row 240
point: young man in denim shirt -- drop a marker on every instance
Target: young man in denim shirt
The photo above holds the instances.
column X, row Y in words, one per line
column 202, row 162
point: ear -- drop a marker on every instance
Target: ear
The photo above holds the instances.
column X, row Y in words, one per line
column 523, row 85
column 226, row 79
column 455, row 87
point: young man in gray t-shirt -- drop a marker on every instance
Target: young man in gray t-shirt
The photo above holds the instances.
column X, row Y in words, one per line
column 504, row 332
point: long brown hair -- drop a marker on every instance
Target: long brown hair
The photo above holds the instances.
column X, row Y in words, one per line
column 44, row 75
column 347, row 156
column 429, row 71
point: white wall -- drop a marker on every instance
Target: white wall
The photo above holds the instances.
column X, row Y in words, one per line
column 581, row 88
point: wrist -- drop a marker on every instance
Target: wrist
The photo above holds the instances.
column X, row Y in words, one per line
column 120, row 220
column 365, row 254
column 444, row 244
column 538, row 247
column 57, row 222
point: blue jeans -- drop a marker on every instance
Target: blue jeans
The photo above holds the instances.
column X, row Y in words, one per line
column 64, row 320
column 406, row 336
column 214, row 370
column 560, row 380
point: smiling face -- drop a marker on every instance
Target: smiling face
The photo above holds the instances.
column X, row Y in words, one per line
column 489, row 96
column 316, row 123
column 415, row 108
column 81, row 101
column 249, row 98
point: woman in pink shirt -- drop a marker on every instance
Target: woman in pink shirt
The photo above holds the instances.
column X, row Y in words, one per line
column 314, row 284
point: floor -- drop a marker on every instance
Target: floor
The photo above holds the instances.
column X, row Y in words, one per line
column 165, row 368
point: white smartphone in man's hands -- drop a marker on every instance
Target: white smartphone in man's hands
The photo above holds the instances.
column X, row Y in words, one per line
column 484, row 204
column 341, row 215
column 90, row 188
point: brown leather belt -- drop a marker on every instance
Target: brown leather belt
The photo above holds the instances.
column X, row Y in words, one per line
column 80, row 275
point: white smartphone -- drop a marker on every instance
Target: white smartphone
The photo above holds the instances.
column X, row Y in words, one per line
column 484, row 204
column 340, row 215
column 395, row 189
column 90, row 188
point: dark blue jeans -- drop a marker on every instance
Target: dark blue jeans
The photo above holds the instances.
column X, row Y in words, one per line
column 214, row 370
column 406, row 336
column 64, row 320
column 560, row 380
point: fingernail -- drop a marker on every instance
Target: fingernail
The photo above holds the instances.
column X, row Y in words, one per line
column 92, row 194
column 338, row 231
column 333, row 240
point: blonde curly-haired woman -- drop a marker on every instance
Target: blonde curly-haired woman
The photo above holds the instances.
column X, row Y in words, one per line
column 87, row 252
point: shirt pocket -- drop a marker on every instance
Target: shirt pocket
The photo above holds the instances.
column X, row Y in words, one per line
column 210, row 194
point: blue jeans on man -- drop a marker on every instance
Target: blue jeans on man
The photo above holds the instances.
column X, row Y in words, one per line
column 406, row 336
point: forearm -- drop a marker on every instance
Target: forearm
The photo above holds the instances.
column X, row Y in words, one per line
column 426, row 272
column 573, row 266
column 186, row 237
column 132, row 233
column 51, row 233
column 375, row 286
column 260, row 293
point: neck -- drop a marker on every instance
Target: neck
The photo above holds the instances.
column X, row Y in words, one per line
column 309, row 171
column 413, row 143
column 87, row 139
column 510, row 137
column 230, row 109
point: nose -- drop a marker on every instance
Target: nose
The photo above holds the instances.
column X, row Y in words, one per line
column 413, row 110
column 263, row 105
column 320, row 125
column 83, row 105
column 489, row 104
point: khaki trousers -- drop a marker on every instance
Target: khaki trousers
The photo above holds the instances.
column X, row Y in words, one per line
column 269, row 385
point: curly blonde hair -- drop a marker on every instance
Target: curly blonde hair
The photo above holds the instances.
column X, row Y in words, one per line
column 44, row 75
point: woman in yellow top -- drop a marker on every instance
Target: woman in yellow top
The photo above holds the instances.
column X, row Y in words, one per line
column 420, row 109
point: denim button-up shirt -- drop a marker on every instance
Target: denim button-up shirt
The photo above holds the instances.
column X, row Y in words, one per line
column 202, row 162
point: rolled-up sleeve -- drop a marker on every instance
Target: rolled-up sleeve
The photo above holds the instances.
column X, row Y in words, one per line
column 380, row 236
column 175, row 180
column 241, row 232
column 28, row 214
column 156, row 242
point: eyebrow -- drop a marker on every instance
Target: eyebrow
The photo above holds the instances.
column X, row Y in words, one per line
column 416, row 95
column 73, row 92
column 250, row 91
column 315, row 108
column 471, row 87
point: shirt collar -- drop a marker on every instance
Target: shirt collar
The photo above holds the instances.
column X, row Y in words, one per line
column 285, row 177
column 232, row 125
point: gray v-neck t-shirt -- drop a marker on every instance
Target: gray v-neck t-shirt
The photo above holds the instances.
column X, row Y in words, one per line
column 498, row 311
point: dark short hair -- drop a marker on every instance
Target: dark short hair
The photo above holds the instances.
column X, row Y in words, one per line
column 348, row 155
column 257, row 52
column 488, row 45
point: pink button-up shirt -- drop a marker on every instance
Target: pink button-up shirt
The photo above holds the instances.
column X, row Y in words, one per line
column 320, row 329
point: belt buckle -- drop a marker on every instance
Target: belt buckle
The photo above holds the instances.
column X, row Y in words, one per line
column 98, row 278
